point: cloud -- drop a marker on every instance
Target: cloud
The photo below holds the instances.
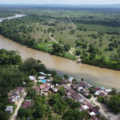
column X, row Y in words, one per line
column 60, row 2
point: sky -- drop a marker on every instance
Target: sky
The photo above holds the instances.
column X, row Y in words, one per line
column 72, row 2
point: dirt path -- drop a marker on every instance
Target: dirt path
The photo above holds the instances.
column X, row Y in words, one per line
column 71, row 21
column 53, row 38
column 14, row 116
column 71, row 51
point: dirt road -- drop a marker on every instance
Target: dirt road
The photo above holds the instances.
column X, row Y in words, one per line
column 71, row 21
column 14, row 116
column 53, row 38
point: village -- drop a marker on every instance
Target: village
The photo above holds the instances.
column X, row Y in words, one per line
column 78, row 90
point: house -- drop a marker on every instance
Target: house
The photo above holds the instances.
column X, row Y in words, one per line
column 68, row 94
column 42, row 73
column 83, row 108
column 50, row 75
column 83, row 84
column 95, row 110
column 74, row 86
column 14, row 100
column 70, row 79
column 67, row 87
column 47, row 86
column 55, row 89
column 18, row 91
column 90, row 105
column 42, row 87
column 41, row 77
column 37, row 89
column 9, row 109
column 102, row 92
column 26, row 104
column 86, row 93
column 70, row 90
column 51, row 87
column 76, row 97
column 32, row 78
column 92, row 114
column 48, row 80
column 80, row 89
column 64, row 81
column 108, row 90
column 99, row 89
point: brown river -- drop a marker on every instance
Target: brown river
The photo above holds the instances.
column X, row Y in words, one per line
column 94, row 75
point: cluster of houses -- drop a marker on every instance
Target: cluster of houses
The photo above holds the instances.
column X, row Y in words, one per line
column 14, row 99
column 102, row 91
column 78, row 92
column 73, row 91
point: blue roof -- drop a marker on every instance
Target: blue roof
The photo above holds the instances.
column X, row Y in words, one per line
column 44, row 81
column 102, row 88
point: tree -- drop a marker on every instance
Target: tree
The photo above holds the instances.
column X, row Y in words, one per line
column 114, row 103
column 84, row 45
column 23, row 112
column 74, row 115
column 92, row 90
column 57, row 80
column 72, row 31
column 61, row 91
column 102, row 59
column 101, row 99
column 65, row 76
column 58, row 49
column 78, row 52
column 67, row 47
column 114, row 91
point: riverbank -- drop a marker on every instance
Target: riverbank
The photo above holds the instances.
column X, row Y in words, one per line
column 94, row 75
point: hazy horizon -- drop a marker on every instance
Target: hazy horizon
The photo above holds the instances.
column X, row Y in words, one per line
column 62, row 2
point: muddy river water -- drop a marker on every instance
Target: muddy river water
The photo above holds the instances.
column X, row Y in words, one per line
column 94, row 75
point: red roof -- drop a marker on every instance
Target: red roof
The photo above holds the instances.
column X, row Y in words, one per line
column 64, row 81
column 42, row 87
column 97, row 89
column 95, row 110
column 102, row 94
column 94, row 118
column 88, row 104
column 47, row 85
column 37, row 88
column 19, row 88
column 83, row 84
column 26, row 104
column 76, row 96
column 71, row 90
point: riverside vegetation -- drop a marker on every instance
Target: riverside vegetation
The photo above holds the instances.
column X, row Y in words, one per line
column 96, row 38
